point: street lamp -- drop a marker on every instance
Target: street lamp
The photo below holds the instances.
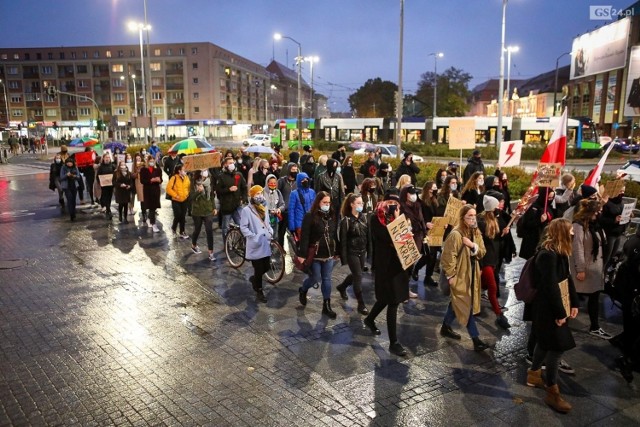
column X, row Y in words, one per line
column 510, row 50
column 6, row 102
column 435, row 55
column 555, row 84
column 398, row 136
column 501, row 84
column 311, row 60
column 278, row 36
column 133, row 26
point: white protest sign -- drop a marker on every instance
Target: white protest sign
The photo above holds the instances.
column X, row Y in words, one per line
column 625, row 216
column 510, row 153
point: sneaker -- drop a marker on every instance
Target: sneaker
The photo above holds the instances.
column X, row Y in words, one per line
column 600, row 334
column 504, row 308
column 196, row 250
column 484, row 296
column 211, row 257
column 184, row 235
column 566, row 368
column 412, row 294
column 156, row 229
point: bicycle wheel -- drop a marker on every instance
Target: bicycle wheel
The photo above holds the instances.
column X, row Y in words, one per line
column 234, row 248
column 276, row 263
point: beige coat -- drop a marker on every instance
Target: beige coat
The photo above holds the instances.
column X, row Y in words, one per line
column 582, row 261
column 460, row 268
column 138, row 185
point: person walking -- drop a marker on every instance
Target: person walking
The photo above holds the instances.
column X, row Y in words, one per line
column 89, row 173
column 70, row 182
column 331, row 181
column 460, row 254
column 429, row 205
column 349, row 176
column 286, row 185
column 354, row 239
column 411, row 207
column 122, row 183
column 255, row 227
column 473, row 189
column 138, row 165
column 474, row 164
column 203, row 210
column 408, row 167
column 54, row 179
column 275, row 203
column 300, row 202
column 231, row 189
column 151, row 179
column 105, row 173
column 178, row 190
column 319, row 230
column 551, row 311
column 613, row 229
column 391, row 281
column 534, row 221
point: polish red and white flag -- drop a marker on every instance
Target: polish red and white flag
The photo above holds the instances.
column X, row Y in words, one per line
column 594, row 176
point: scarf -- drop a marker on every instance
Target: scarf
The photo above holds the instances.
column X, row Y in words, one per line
column 597, row 237
column 260, row 209
column 382, row 211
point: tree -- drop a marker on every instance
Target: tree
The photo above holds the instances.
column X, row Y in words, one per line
column 376, row 98
column 453, row 92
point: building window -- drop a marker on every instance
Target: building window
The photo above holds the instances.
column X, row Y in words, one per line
column 169, row 52
column 49, row 98
column 16, row 56
column 119, row 111
column 196, row 109
column 157, row 52
column 157, row 96
column 73, row 55
column 194, row 51
column 31, row 97
column 96, row 54
column 132, row 53
column 37, row 112
column 73, row 113
column 83, row 83
column 50, row 55
column 158, row 111
column 15, row 112
column 121, row 54
column 85, row 54
column 181, row 51
column 155, row 66
column 195, row 66
column 223, row 84
column 3, row 56
column 118, row 96
column 51, row 112
column 14, row 85
column 27, row 57
column 196, row 95
column 108, row 54
column 177, row 95
column 16, row 99
column 47, row 69
column 117, row 68
column 195, row 80
column 156, row 82
column 61, row 55
column 12, row 70
column 85, row 111
column 179, row 110
column 82, row 69
column 38, row 56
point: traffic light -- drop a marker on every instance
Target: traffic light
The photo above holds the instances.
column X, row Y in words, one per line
column 55, row 125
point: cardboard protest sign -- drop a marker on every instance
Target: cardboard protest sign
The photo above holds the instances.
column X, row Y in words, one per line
column 564, row 295
column 106, row 180
column 548, row 174
column 613, row 188
column 462, row 134
column 120, row 158
column 85, row 158
column 400, row 231
column 627, row 209
column 201, row 161
column 451, row 212
column 435, row 236
column 510, row 153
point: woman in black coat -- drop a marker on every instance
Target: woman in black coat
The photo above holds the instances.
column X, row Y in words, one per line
column 552, row 310
column 411, row 207
column 429, row 203
column 391, row 280
column 349, row 175
column 122, row 183
column 535, row 219
column 151, row 179
column 106, row 168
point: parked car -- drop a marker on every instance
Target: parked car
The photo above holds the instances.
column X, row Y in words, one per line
column 257, row 139
column 389, row 150
column 624, row 146
column 631, row 169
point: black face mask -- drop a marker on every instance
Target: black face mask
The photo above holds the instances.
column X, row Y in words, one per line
column 293, row 175
column 371, row 190
column 434, row 192
column 383, row 173
column 305, row 184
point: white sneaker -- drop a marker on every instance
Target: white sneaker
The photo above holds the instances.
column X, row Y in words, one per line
column 600, row 334
column 211, row 257
column 156, row 229
column 184, row 235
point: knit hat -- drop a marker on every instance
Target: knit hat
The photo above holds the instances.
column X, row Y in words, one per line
column 496, row 194
column 255, row 190
column 490, row 203
column 587, row 191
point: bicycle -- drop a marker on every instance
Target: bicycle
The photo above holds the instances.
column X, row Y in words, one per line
column 235, row 248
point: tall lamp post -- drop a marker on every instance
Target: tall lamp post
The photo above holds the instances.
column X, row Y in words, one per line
column 311, row 60
column 399, row 94
column 555, row 84
column 435, row 55
column 501, row 84
column 510, row 50
column 278, row 36
column 141, row 27
column 6, row 102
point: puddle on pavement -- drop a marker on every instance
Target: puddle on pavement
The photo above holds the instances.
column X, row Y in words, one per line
column 12, row 263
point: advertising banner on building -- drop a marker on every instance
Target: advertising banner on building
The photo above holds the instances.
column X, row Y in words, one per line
column 611, row 97
column 597, row 100
column 601, row 50
column 632, row 96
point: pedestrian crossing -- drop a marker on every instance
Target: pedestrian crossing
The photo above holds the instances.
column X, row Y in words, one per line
column 12, row 170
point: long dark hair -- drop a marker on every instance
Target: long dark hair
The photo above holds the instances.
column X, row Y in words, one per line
column 445, row 191
column 345, row 210
column 427, row 198
column 315, row 207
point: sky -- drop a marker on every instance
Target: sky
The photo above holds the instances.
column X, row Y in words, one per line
column 355, row 40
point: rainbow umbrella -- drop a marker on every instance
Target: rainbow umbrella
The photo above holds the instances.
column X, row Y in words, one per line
column 191, row 146
column 85, row 141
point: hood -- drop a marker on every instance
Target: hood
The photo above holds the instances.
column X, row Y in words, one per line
column 300, row 177
column 332, row 165
column 267, row 180
column 490, row 181
column 476, row 160
column 543, row 194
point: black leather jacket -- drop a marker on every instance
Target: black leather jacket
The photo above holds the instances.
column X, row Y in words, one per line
column 354, row 235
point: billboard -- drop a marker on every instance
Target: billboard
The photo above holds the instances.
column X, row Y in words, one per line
column 632, row 95
column 601, row 50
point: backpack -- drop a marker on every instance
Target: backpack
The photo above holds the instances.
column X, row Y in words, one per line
column 525, row 289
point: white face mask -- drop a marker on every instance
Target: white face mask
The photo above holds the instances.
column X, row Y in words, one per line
column 205, row 173
column 231, row 167
column 412, row 198
column 325, row 208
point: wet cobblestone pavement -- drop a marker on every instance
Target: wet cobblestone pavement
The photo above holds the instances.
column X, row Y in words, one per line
column 109, row 324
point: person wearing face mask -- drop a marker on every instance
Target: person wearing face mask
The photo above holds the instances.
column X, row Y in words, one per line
column 452, row 169
column 441, row 175
column 411, row 207
column 331, row 182
column 349, row 175
column 503, row 183
column 255, row 227
column 178, row 190
column 613, row 230
column 370, row 167
column 319, row 230
column 340, row 154
column 286, row 185
column 203, row 210
column 89, row 173
column 154, row 150
column 54, row 179
column 408, row 167
column 122, row 184
column 385, row 179
column 69, row 181
column 474, row 164
column 170, row 162
column 429, row 205
column 460, row 254
column 354, row 239
column 231, row 189
column 106, row 169
column 128, row 160
column 151, row 179
column 391, row 281
column 309, row 167
column 535, row 220
column 275, row 203
column 138, row 165
column 300, row 202
column 473, row 188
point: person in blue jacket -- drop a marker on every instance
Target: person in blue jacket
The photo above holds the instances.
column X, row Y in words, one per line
column 300, row 202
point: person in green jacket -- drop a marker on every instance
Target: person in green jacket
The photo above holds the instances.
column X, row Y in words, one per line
column 203, row 210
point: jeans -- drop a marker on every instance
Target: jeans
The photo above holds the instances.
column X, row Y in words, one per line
column 208, row 228
column 70, row 194
column 450, row 316
column 179, row 215
column 551, row 360
column 320, row 272
column 226, row 220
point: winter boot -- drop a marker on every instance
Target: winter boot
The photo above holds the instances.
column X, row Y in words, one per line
column 556, row 401
column 534, row 378
column 342, row 287
column 326, row 309
column 302, row 296
column 260, row 296
column 362, row 309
